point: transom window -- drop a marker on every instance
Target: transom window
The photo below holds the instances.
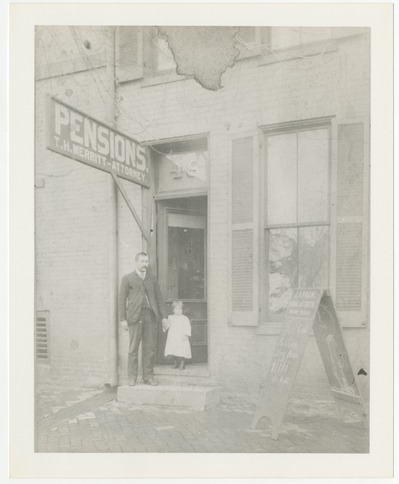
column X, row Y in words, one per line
column 296, row 214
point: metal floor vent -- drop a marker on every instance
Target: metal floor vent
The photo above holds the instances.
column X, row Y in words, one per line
column 42, row 347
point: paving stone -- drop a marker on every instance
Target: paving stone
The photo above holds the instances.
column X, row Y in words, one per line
column 110, row 426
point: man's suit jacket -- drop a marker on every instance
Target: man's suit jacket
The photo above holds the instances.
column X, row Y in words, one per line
column 131, row 296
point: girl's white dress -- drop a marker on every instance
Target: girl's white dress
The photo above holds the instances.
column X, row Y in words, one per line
column 177, row 343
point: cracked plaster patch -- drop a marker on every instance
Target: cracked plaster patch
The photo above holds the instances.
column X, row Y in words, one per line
column 202, row 52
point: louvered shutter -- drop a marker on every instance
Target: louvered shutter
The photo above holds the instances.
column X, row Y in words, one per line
column 244, row 312
column 351, row 243
column 129, row 53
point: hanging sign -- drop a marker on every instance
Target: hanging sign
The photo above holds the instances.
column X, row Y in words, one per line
column 308, row 309
column 78, row 136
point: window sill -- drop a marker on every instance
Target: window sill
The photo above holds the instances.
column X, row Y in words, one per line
column 274, row 328
column 163, row 78
column 255, row 51
column 271, row 329
column 71, row 66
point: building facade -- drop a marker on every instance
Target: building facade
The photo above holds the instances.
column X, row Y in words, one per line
column 257, row 187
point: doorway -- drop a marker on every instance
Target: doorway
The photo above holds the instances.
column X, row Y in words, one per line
column 182, row 266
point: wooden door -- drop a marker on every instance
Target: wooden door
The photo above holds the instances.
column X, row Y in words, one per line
column 182, row 244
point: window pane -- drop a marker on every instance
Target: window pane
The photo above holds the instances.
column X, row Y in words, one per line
column 293, row 263
column 164, row 55
column 314, row 34
column 285, row 37
column 186, row 263
column 282, row 179
column 283, row 267
column 247, row 34
column 313, row 153
column 313, row 257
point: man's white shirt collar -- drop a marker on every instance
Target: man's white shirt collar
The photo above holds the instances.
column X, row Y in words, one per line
column 141, row 274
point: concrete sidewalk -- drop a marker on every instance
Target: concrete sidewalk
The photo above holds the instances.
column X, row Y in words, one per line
column 91, row 420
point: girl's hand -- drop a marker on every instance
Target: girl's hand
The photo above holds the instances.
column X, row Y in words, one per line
column 164, row 325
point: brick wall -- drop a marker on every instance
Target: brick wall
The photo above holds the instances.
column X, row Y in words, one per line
column 72, row 271
column 336, row 84
column 71, row 236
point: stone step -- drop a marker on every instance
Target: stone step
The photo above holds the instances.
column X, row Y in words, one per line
column 167, row 375
column 191, row 375
column 198, row 397
column 180, row 380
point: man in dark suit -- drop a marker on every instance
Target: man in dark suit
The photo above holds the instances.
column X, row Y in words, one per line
column 140, row 306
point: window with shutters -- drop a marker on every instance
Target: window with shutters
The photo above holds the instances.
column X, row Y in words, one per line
column 129, row 53
column 288, row 43
column 315, row 234
column 296, row 214
column 265, row 40
column 285, row 37
column 158, row 58
column 42, row 337
column 253, row 40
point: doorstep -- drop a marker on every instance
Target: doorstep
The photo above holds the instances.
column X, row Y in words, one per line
column 198, row 397
column 197, row 375
column 200, row 370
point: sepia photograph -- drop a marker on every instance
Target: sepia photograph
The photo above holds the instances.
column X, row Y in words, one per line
column 188, row 181
column 202, row 241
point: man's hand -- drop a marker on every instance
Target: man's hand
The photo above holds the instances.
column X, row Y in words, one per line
column 124, row 325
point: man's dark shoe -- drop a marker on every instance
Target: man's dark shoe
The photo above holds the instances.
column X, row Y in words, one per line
column 151, row 382
column 132, row 382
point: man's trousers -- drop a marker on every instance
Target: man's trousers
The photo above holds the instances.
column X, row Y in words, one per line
column 143, row 330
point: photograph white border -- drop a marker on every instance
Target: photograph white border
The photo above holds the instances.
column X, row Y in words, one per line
column 24, row 462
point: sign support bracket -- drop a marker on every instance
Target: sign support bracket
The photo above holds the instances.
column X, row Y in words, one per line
column 130, row 205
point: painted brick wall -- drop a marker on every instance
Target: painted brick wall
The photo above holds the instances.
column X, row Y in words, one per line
column 71, row 227
column 335, row 83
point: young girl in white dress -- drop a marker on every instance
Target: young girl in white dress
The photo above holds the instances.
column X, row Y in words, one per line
column 179, row 331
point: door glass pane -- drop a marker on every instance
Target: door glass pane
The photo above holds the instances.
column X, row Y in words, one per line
column 282, row 179
column 313, row 257
column 186, row 263
column 313, row 153
column 283, row 267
